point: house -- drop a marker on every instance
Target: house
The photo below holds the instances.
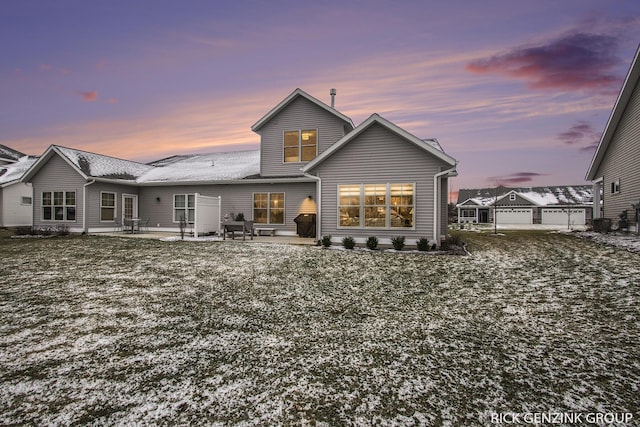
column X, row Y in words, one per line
column 375, row 179
column 555, row 205
column 15, row 196
column 615, row 167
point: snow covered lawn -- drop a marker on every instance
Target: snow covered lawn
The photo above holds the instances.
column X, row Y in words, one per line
column 121, row 331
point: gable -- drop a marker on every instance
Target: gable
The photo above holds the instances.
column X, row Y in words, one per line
column 378, row 153
column 519, row 200
column 394, row 132
column 618, row 114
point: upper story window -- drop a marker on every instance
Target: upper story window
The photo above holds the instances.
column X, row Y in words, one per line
column 300, row 145
column 512, row 197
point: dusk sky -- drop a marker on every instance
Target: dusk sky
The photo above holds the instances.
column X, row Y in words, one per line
column 517, row 91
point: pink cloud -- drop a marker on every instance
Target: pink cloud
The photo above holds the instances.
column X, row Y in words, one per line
column 514, row 178
column 574, row 61
column 89, row 96
column 581, row 133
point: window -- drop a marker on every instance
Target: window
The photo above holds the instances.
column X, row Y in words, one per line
column 26, row 200
column 615, row 187
column 512, row 197
column 107, row 206
column 300, row 145
column 381, row 205
column 184, row 207
column 268, row 208
column 59, row 205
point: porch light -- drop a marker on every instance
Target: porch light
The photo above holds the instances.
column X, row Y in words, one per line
column 158, row 199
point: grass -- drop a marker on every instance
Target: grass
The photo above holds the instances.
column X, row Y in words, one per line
column 120, row 331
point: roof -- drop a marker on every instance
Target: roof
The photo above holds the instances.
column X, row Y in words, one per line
column 176, row 169
column 630, row 83
column 540, row 196
column 13, row 172
column 204, row 167
column 288, row 100
column 9, row 154
column 429, row 145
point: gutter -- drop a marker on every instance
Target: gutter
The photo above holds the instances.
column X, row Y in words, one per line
column 85, row 229
column 436, row 200
column 318, row 203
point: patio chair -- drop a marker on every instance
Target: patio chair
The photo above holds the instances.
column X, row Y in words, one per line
column 127, row 225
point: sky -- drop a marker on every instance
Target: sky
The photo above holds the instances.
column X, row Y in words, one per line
column 518, row 92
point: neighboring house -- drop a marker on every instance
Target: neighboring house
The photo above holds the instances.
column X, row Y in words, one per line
column 556, row 205
column 16, row 197
column 9, row 155
column 615, row 167
column 373, row 180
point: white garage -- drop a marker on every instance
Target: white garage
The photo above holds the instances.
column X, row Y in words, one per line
column 559, row 216
column 514, row 215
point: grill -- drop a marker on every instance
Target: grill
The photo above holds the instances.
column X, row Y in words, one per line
column 306, row 225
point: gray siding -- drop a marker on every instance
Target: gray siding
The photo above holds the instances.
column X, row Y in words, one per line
column 380, row 156
column 236, row 198
column 622, row 162
column 519, row 201
column 93, row 203
column 57, row 175
column 1, row 205
column 299, row 114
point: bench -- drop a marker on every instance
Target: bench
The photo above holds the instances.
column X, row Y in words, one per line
column 259, row 230
column 233, row 226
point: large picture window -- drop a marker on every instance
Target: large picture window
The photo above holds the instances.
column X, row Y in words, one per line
column 59, row 205
column 379, row 205
column 268, row 208
column 107, row 206
column 300, row 145
column 184, row 206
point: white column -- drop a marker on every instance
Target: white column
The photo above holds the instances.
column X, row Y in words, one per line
column 597, row 200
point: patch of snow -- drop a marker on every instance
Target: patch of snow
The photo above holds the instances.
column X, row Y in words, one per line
column 630, row 242
column 98, row 165
column 206, row 167
column 15, row 171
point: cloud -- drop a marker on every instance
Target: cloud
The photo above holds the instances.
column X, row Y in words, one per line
column 573, row 61
column 514, row 178
column 581, row 133
column 89, row 96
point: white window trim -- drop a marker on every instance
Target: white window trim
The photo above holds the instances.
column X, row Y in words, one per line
column 115, row 207
column 512, row 197
column 64, row 206
column 388, row 207
column 269, row 193
column 186, row 207
column 615, row 187
column 284, row 160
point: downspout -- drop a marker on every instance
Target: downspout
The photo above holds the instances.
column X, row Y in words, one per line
column 85, row 228
column 318, row 202
column 436, row 201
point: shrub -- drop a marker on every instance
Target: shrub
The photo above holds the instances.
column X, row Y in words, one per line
column 423, row 244
column 349, row 242
column 452, row 243
column 23, row 231
column 397, row 242
column 240, row 217
column 372, row 243
column 326, row 240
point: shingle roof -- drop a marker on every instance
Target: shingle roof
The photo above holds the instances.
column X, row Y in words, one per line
column 542, row 196
column 204, row 167
column 15, row 171
column 101, row 166
column 9, row 153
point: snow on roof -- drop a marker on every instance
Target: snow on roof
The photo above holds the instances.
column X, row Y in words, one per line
column 9, row 153
column 15, row 171
column 542, row 196
column 101, row 166
column 204, row 167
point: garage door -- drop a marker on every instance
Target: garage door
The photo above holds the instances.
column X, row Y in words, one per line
column 559, row 217
column 515, row 216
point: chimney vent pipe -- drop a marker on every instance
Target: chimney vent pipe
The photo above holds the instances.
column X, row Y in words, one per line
column 332, row 92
